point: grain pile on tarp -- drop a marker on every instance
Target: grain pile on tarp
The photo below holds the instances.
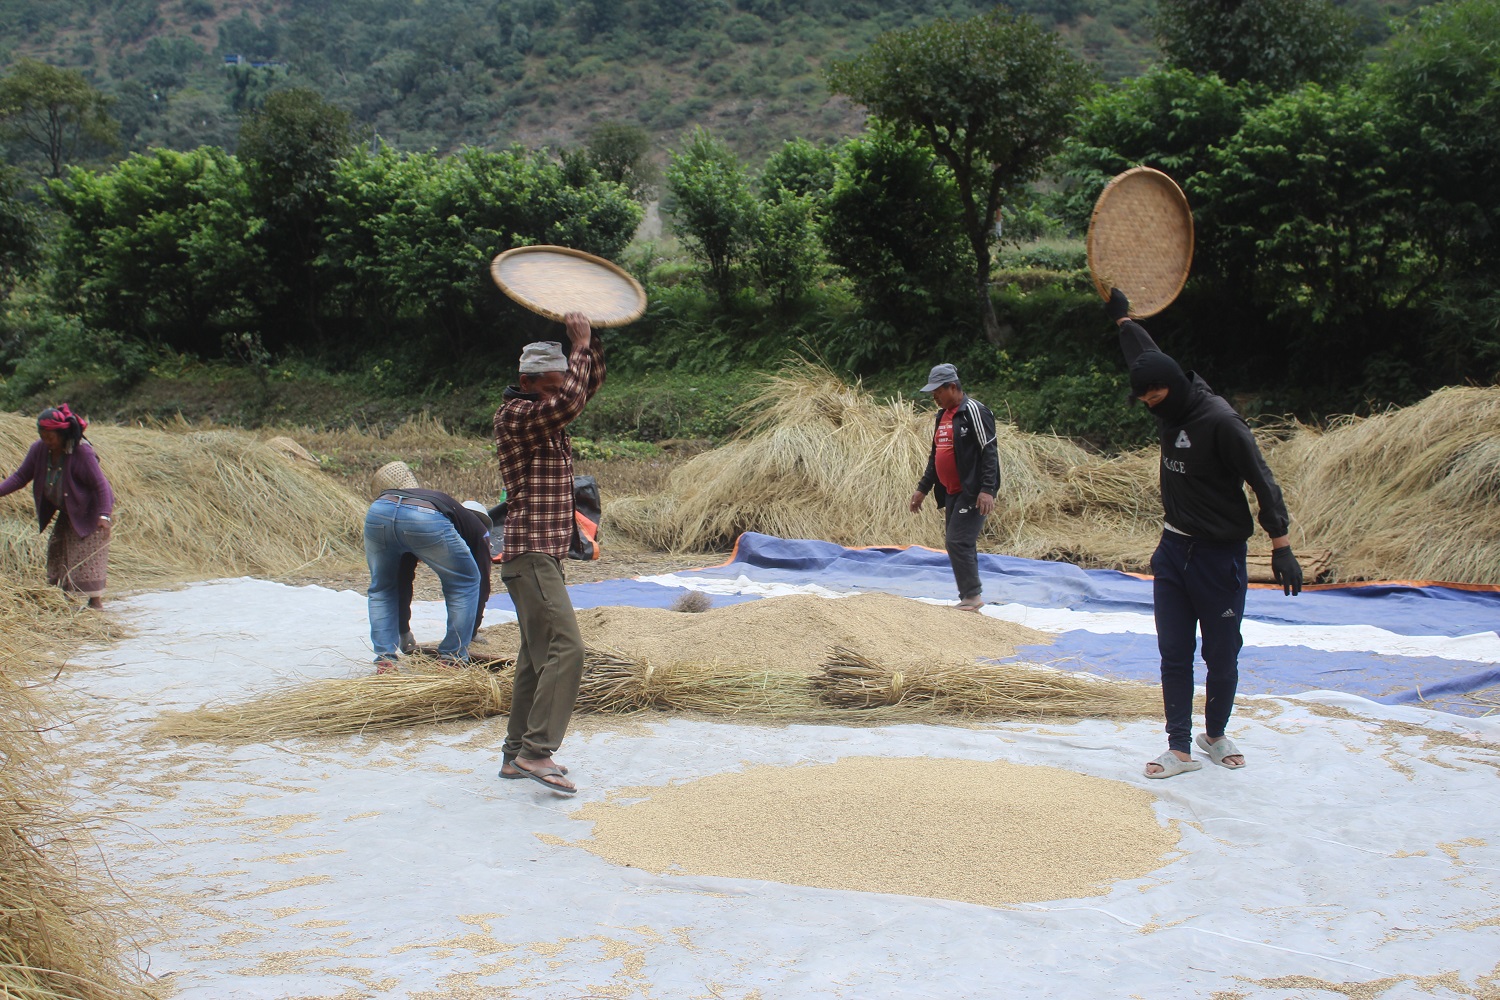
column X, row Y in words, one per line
column 1411, row 494
column 194, row 504
column 57, row 937
column 791, row 634
column 858, row 824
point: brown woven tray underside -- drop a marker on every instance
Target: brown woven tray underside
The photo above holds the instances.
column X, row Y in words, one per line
column 555, row 281
column 1141, row 240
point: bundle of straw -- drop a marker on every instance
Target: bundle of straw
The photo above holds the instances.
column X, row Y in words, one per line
column 1007, row 691
column 428, row 694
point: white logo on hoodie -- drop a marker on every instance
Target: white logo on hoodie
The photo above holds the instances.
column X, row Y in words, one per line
column 1182, row 440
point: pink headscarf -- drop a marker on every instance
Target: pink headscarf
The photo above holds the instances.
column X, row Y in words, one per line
column 60, row 418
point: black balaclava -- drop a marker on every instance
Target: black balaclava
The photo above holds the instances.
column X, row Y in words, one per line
column 1156, row 368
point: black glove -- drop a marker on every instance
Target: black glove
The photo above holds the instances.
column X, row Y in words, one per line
column 1118, row 306
column 1286, row 570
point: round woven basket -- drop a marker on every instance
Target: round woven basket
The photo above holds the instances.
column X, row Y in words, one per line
column 555, row 281
column 1141, row 239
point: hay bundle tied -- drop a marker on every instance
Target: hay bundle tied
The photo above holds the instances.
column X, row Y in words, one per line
column 990, row 691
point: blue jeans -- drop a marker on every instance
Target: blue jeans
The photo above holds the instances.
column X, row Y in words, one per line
column 1199, row 586
column 393, row 529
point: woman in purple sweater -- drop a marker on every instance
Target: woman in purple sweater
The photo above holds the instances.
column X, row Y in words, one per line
column 66, row 480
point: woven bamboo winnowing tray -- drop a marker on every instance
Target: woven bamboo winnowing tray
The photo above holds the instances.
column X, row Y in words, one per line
column 555, row 281
column 1141, row 240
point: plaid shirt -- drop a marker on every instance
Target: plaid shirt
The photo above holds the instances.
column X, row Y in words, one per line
column 536, row 456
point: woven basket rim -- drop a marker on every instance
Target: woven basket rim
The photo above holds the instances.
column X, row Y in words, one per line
column 543, row 309
column 1165, row 291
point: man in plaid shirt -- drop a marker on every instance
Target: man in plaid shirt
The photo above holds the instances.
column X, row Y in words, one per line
column 536, row 468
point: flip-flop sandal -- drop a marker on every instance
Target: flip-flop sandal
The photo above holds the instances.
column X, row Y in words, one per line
column 540, row 776
column 1218, row 751
column 1172, row 765
column 509, row 759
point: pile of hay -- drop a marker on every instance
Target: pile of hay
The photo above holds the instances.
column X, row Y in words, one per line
column 818, row 458
column 58, row 937
column 1409, row 494
column 195, row 504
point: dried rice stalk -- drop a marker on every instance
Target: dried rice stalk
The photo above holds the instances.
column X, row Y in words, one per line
column 431, row 693
column 995, row 691
column 58, row 936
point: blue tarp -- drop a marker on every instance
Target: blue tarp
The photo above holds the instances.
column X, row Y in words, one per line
column 1400, row 610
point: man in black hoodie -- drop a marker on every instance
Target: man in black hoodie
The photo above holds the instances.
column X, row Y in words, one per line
column 1207, row 456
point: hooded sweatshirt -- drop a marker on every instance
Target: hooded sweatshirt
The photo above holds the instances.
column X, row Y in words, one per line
column 1207, row 451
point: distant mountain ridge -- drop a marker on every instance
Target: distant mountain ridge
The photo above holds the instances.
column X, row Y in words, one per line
column 445, row 73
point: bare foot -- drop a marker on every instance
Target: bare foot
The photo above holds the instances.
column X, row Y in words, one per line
column 970, row 604
column 97, row 603
column 542, row 764
column 1155, row 768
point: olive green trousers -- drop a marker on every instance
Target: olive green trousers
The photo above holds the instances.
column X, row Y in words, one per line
column 550, row 664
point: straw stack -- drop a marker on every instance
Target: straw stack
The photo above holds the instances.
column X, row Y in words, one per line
column 57, row 932
column 192, row 504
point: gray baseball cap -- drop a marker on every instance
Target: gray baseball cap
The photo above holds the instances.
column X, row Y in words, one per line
column 543, row 356
column 940, row 376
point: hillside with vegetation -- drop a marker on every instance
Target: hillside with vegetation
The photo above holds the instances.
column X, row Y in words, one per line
column 440, row 74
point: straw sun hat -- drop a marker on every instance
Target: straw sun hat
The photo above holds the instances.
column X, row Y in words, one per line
column 394, row 476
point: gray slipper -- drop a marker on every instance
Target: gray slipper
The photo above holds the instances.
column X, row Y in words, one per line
column 1218, row 751
column 1172, row 765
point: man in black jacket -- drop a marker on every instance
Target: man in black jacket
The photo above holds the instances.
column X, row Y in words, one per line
column 1199, row 579
column 963, row 468
column 406, row 521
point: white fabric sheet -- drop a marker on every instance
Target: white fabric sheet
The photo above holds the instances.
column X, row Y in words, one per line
column 400, row 866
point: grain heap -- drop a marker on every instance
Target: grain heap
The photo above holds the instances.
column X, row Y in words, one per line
column 1008, row 833
column 791, row 634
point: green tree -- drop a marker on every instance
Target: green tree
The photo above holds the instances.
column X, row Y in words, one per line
column 622, row 154
column 1442, row 75
column 163, row 248
column 1165, row 118
column 290, row 149
column 55, row 112
column 785, row 252
column 1278, row 43
column 990, row 94
column 1312, row 226
column 893, row 224
column 800, row 167
column 714, row 208
column 409, row 237
column 20, row 234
